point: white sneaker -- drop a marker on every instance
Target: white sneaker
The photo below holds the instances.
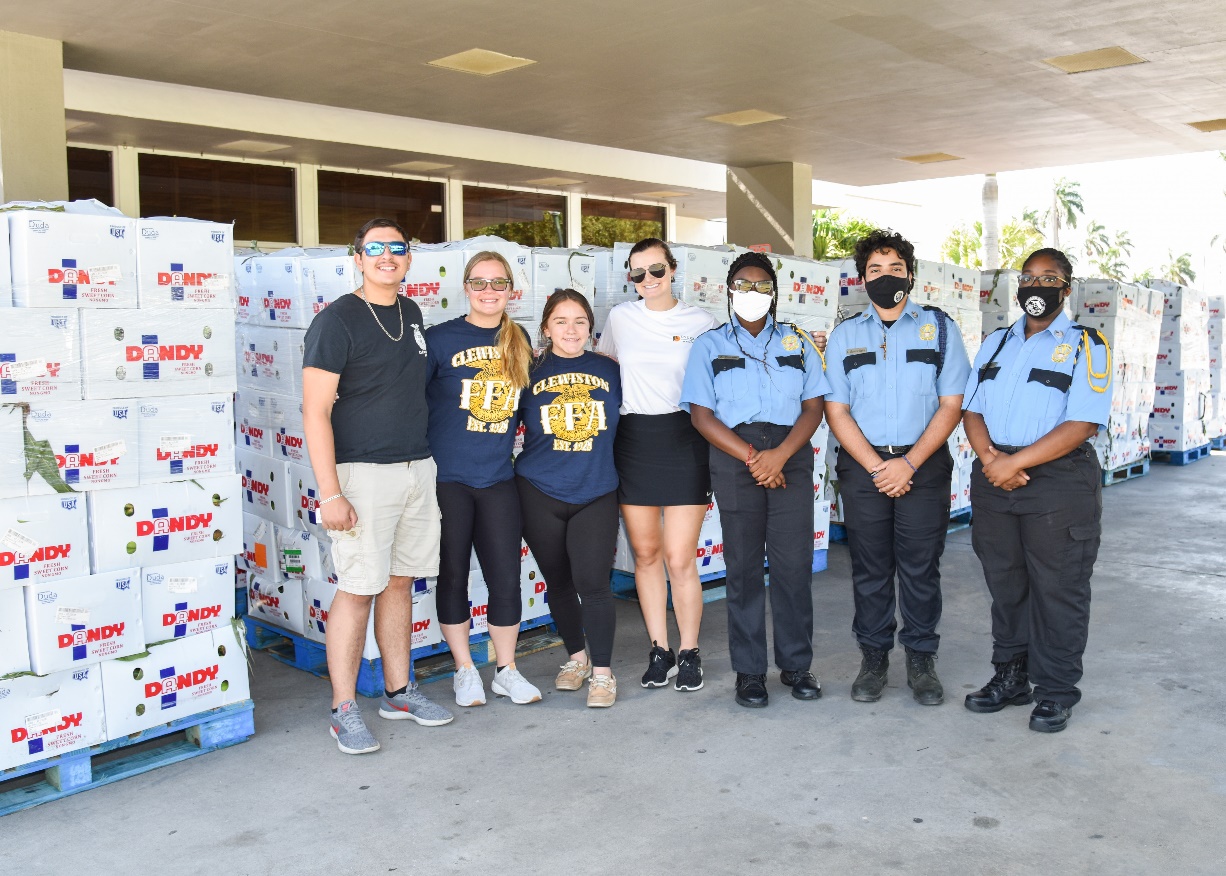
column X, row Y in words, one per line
column 509, row 683
column 469, row 690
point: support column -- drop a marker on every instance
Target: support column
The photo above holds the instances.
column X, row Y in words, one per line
column 453, row 211
column 125, row 180
column 308, row 204
column 574, row 220
column 33, row 148
column 772, row 204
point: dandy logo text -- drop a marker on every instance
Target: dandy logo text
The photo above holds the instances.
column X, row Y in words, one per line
column 44, row 554
column 67, row 722
column 72, row 277
column 85, row 637
column 191, row 615
column 196, row 451
column 183, row 278
column 172, row 683
column 164, row 352
column 166, row 525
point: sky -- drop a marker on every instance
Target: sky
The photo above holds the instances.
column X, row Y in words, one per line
column 1174, row 203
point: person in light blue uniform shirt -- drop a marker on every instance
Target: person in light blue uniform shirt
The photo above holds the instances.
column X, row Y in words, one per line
column 896, row 372
column 754, row 389
column 1039, row 391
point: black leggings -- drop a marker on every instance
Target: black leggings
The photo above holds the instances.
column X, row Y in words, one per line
column 574, row 545
column 486, row 519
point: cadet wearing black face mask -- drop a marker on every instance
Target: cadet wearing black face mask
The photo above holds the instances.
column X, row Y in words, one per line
column 897, row 373
column 1039, row 391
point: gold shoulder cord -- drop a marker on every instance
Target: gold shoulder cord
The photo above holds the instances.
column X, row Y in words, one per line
column 804, row 334
column 1091, row 376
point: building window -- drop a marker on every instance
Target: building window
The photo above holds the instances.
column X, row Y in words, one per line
column 257, row 198
column 89, row 175
column 347, row 201
column 608, row 222
column 523, row 217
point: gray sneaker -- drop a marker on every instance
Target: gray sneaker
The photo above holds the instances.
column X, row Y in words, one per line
column 412, row 705
column 349, row 730
column 509, row 683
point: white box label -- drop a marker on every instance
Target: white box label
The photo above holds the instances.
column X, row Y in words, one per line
column 110, row 450
column 28, row 369
column 175, row 443
column 19, row 542
column 66, row 615
column 105, row 274
column 182, row 584
column 37, row 723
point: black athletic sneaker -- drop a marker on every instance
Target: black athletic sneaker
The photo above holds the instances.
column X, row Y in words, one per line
column 689, row 670
column 661, row 666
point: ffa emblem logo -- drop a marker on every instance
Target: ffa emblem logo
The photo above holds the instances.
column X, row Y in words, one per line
column 928, row 331
column 1060, row 354
column 487, row 396
column 574, row 415
column 791, row 342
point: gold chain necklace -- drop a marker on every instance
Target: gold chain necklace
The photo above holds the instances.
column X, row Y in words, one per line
column 362, row 292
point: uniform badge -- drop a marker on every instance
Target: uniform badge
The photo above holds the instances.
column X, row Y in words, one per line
column 1060, row 354
column 791, row 342
column 928, row 331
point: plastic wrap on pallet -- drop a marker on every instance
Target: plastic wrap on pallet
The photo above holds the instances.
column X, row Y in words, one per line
column 43, row 539
column 6, row 276
column 304, row 498
column 253, row 421
column 50, row 715
column 150, row 353
column 165, row 523
column 188, row 436
column 77, row 254
column 266, row 488
column 245, row 287
column 259, row 554
column 14, row 645
column 557, row 268
column 278, row 602
column 301, row 554
column 288, row 432
column 270, row 359
column 317, row 600
column 435, row 281
column 73, row 622
column 187, row 599
column 40, row 356
column 185, row 263
column 701, row 278
column 68, row 446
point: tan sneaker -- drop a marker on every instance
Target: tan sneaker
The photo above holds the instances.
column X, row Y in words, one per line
column 601, row 691
column 573, row 675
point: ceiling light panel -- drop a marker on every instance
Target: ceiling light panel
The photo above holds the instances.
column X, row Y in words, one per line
column 419, row 166
column 1099, row 59
column 554, row 181
column 660, row 195
column 931, row 158
column 1209, row 125
column 252, row 146
column 481, row 62
column 745, row 117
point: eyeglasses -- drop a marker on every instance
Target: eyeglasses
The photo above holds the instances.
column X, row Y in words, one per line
column 376, row 248
column 658, row 270
column 766, row 287
column 478, row 284
column 1045, row 280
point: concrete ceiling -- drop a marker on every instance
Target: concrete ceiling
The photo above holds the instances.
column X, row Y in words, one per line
column 861, row 82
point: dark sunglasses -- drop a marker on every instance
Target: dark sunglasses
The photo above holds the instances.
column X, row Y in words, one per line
column 376, row 247
column 658, row 270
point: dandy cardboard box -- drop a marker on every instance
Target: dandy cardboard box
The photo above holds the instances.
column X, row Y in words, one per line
column 253, row 423
column 63, row 259
column 558, row 268
column 304, row 498
column 327, row 274
column 998, row 289
column 165, row 523
column 72, row 446
column 266, row 488
column 42, row 539
column 244, row 285
column 185, row 263
column 259, row 555
column 807, row 287
column 1105, row 298
column 270, row 359
column 435, row 282
column 962, row 286
column 40, row 356
column 534, row 593
column 709, row 556
column 821, row 525
column 929, row 285
column 301, row 554
column 187, row 599
column 144, row 353
column 14, row 646
column 701, row 278
column 851, row 287
column 277, row 602
column 517, row 256
column 77, row 621
column 288, row 433
column 189, row 436
column 478, row 604
column 173, row 680
column 49, row 716
column 280, row 295
column 317, row 598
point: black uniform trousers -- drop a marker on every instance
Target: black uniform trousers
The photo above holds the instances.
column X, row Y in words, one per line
column 901, row 538
column 779, row 524
column 1038, row 545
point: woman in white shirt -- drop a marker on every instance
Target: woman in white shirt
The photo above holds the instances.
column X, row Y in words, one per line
column 662, row 460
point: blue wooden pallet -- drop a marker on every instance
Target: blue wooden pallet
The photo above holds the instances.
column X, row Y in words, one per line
column 81, row 770
column 960, row 519
column 713, row 589
column 1137, row 469
column 1180, row 457
column 1218, row 443
column 311, row 656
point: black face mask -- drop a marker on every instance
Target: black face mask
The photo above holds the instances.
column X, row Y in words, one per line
column 887, row 291
column 1040, row 301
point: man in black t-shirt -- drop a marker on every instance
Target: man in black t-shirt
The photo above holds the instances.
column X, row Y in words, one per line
column 364, row 411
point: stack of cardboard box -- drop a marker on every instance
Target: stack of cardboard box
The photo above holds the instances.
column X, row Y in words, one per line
column 1182, row 404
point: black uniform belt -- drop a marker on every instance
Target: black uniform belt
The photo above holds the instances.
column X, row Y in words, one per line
column 894, row 448
column 1008, row 448
column 1011, row 449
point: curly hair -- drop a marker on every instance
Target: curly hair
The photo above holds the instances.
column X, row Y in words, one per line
column 881, row 240
column 1057, row 256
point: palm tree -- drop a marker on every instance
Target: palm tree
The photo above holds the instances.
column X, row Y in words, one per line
column 1144, row 276
column 1018, row 239
column 964, row 246
column 835, row 235
column 1179, row 269
column 1066, row 203
column 1097, row 242
column 1110, row 265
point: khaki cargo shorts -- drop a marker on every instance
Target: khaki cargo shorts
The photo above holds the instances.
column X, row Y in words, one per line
column 398, row 525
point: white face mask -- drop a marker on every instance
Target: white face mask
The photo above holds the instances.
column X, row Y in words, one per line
column 751, row 306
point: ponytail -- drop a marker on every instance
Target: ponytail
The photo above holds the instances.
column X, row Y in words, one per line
column 515, row 352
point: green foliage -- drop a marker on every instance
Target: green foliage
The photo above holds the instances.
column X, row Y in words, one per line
column 539, row 232
column 1018, row 238
column 1179, row 269
column 835, row 235
column 1068, row 202
column 604, row 231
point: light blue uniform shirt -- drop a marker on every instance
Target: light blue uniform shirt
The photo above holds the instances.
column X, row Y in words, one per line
column 1035, row 385
column 726, row 374
column 894, row 393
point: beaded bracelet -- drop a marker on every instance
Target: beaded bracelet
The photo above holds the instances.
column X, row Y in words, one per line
column 908, row 462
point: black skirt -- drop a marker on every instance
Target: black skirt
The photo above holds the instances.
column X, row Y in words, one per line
column 661, row 460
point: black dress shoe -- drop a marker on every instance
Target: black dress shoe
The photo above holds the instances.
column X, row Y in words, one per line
column 751, row 690
column 1010, row 686
column 1050, row 717
column 804, row 684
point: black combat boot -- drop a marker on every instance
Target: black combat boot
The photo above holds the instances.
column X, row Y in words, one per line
column 922, row 678
column 1010, row 686
column 871, row 681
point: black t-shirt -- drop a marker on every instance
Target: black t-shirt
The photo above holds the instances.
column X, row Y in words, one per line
column 380, row 414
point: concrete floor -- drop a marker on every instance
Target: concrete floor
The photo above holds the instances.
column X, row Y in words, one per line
column 691, row 783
